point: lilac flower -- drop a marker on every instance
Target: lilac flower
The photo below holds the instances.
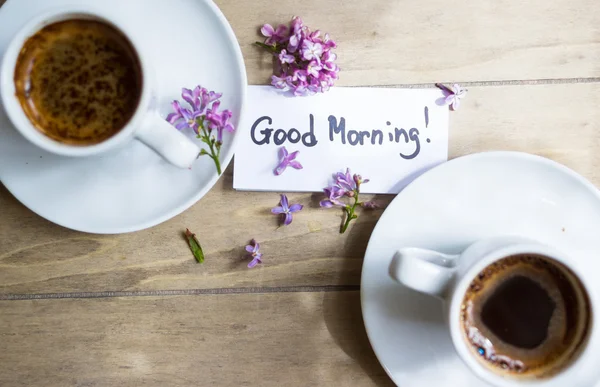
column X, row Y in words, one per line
column 287, row 159
column 345, row 181
column 313, row 69
column 327, row 60
column 219, row 121
column 311, row 50
column 297, row 34
column 199, row 98
column 452, row 95
column 286, row 209
column 358, row 180
column 333, row 194
column 184, row 118
column 274, row 35
column 328, row 43
column 299, row 75
column 253, row 248
column 306, row 64
column 192, row 97
column 296, row 25
column 204, row 119
column 281, row 83
column 301, row 89
column 346, row 185
column 284, row 57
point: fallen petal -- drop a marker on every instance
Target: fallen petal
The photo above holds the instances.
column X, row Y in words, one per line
column 326, row 203
column 296, row 207
column 277, row 210
column 288, row 218
column 295, row 164
column 284, row 202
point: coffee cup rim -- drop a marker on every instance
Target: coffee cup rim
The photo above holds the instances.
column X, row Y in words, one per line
column 590, row 348
column 13, row 107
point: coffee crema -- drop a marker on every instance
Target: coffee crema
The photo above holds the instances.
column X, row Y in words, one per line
column 78, row 81
column 525, row 316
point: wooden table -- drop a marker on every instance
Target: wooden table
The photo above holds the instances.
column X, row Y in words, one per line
column 135, row 309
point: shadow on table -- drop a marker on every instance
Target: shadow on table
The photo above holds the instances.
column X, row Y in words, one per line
column 342, row 310
column 343, row 317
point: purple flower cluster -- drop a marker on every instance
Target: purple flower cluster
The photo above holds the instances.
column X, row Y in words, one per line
column 204, row 112
column 344, row 184
column 305, row 60
column 204, row 118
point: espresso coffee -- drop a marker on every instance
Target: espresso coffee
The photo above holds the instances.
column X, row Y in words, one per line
column 78, row 81
column 525, row 316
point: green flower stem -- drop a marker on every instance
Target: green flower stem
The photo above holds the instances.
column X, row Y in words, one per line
column 350, row 215
column 205, row 137
column 266, row 46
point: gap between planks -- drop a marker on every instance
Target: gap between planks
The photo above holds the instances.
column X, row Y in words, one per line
column 516, row 82
column 181, row 292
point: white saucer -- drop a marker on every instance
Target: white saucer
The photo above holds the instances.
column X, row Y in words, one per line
column 190, row 43
column 448, row 208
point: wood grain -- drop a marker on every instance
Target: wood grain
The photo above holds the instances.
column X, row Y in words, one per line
column 555, row 121
column 300, row 339
column 535, row 87
column 384, row 42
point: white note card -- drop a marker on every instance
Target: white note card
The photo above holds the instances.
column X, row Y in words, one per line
column 389, row 136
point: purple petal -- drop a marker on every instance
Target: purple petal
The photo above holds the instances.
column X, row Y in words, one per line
column 283, row 153
column 281, row 30
column 256, row 246
column 288, row 219
column 215, row 107
column 296, row 165
column 284, row 202
column 187, row 114
column 173, row 117
column 267, row 30
column 455, row 103
column 197, row 91
column 282, row 166
column 277, row 210
column 296, row 207
column 250, row 248
column 253, row 262
column 187, row 95
column 293, row 155
column 326, row 203
column 182, row 125
column 176, row 106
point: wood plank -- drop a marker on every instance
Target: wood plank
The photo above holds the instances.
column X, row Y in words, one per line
column 385, row 42
column 308, row 339
column 556, row 121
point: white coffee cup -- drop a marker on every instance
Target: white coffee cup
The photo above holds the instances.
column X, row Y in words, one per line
column 145, row 124
column 449, row 276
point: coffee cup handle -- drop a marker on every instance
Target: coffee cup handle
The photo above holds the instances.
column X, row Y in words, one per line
column 425, row 271
column 167, row 141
